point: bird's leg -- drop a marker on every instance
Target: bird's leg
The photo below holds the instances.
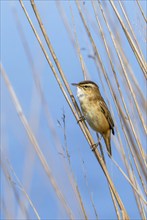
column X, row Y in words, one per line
column 94, row 146
column 81, row 118
column 99, row 138
column 100, row 146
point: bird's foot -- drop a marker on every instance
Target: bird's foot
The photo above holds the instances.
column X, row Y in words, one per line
column 81, row 118
column 94, row 146
column 99, row 138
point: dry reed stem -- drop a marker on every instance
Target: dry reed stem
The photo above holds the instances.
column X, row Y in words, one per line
column 141, row 211
column 129, row 70
column 77, row 189
column 68, row 156
column 85, row 74
column 143, row 15
column 10, row 204
column 74, row 41
column 82, row 124
column 81, row 202
column 4, row 206
column 140, row 60
column 86, row 182
column 135, row 149
column 20, row 186
column 30, row 155
column 138, row 201
column 113, row 70
column 120, row 59
column 130, row 181
column 57, row 78
column 76, row 112
column 113, row 92
column 45, row 107
column 131, row 145
column 131, row 29
column 131, row 90
column 35, row 143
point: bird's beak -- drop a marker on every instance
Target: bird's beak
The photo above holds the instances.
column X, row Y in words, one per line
column 74, row 84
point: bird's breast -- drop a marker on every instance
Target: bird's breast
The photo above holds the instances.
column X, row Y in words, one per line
column 94, row 116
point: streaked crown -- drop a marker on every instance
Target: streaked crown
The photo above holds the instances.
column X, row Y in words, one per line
column 86, row 85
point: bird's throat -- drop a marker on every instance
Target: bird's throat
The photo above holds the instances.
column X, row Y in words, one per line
column 81, row 95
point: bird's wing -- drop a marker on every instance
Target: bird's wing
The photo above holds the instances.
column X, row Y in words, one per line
column 107, row 114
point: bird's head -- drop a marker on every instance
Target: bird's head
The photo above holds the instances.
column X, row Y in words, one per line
column 86, row 88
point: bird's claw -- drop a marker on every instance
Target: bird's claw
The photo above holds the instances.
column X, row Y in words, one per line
column 94, row 146
column 81, row 118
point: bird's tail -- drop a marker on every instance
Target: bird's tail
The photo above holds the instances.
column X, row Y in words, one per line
column 107, row 142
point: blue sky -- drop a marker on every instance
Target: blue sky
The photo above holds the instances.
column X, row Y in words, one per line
column 15, row 143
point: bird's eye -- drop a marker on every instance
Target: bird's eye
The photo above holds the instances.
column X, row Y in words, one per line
column 86, row 87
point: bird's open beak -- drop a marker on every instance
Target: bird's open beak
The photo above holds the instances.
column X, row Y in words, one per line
column 74, row 84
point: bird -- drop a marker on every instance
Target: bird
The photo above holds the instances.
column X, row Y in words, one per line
column 95, row 110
